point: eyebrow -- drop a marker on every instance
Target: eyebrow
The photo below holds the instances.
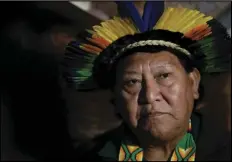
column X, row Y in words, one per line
column 160, row 65
column 131, row 72
column 165, row 63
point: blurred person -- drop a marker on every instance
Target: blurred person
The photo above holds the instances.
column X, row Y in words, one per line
column 34, row 119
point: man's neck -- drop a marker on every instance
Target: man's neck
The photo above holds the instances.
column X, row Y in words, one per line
column 158, row 153
column 156, row 150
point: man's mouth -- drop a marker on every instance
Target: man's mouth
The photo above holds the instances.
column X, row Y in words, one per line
column 149, row 115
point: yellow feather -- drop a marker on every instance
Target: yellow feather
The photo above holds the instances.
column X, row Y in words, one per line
column 121, row 26
column 181, row 20
column 106, row 34
column 130, row 30
column 127, row 26
column 185, row 20
column 102, row 33
column 163, row 19
column 114, row 24
column 110, row 33
column 178, row 18
column 174, row 16
column 190, row 23
column 196, row 22
column 131, row 26
column 117, row 29
column 111, row 28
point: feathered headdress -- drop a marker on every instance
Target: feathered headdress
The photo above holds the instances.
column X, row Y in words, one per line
column 208, row 37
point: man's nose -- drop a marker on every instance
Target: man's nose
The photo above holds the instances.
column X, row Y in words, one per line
column 150, row 91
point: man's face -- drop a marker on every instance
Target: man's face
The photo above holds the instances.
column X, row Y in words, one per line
column 154, row 94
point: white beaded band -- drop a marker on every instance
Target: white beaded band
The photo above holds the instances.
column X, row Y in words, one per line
column 154, row 43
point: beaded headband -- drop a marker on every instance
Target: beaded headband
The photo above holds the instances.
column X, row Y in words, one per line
column 154, row 43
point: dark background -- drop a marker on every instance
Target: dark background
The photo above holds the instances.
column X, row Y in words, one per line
column 33, row 37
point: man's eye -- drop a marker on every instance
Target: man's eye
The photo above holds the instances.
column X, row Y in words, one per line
column 163, row 76
column 131, row 82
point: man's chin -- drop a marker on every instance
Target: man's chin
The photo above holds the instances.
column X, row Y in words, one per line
column 156, row 133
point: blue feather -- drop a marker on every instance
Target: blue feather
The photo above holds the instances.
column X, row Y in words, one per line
column 128, row 9
column 152, row 12
column 147, row 14
column 157, row 9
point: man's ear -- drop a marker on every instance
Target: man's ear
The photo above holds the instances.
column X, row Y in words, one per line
column 195, row 77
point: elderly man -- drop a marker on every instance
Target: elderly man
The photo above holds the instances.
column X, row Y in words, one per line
column 153, row 66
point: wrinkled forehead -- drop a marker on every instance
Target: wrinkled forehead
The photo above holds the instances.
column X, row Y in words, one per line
column 153, row 60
